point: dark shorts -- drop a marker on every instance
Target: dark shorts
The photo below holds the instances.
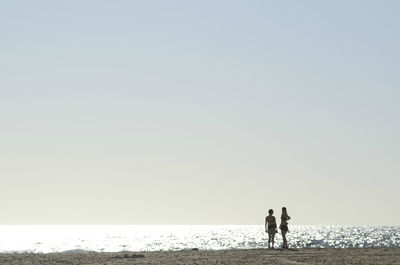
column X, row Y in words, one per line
column 271, row 228
column 284, row 228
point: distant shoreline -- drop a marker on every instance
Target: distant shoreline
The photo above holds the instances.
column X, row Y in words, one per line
column 232, row 257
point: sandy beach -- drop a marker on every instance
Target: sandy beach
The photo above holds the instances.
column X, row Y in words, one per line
column 229, row 257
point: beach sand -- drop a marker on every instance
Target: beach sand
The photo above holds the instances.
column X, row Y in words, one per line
column 229, row 257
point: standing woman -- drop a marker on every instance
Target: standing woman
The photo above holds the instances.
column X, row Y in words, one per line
column 284, row 226
column 270, row 227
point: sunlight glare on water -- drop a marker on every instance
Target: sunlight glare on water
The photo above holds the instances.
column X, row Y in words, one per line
column 45, row 239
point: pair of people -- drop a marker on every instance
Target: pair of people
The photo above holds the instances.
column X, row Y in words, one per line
column 271, row 227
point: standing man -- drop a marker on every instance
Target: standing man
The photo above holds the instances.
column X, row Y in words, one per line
column 270, row 227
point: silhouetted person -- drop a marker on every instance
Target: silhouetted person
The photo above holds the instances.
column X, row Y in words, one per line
column 270, row 227
column 284, row 226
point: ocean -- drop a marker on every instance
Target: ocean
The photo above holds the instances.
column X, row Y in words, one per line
column 53, row 238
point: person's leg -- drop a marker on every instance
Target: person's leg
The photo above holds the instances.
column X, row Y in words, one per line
column 284, row 238
column 269, row 239
column 273, row 239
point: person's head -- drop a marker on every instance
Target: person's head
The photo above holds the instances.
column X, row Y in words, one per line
column 283, row 209
column 270, row 211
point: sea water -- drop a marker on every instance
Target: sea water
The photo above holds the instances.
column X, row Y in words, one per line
column 46, row 239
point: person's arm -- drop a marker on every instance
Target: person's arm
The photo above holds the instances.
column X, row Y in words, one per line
column 266, row 224
column 288, row 217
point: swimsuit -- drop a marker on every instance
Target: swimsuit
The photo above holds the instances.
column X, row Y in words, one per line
column 271, row 227
column 284, row 224
column 284, row 228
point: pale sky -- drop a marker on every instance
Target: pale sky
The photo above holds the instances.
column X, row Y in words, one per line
column 199, row 112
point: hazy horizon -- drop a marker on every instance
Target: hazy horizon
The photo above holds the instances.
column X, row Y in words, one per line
column 210, row 112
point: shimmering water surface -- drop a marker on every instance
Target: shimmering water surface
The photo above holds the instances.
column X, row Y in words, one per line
column 148, row 238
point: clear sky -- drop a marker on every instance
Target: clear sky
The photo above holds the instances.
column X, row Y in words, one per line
column 199, row 112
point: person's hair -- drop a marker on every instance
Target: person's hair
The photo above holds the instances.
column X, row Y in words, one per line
column 283, row 208
column 270, row 211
